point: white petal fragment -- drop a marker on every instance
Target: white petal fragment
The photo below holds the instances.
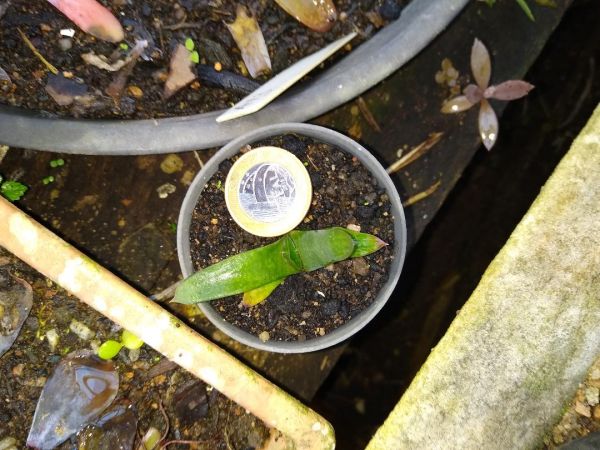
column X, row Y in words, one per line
column 481, row 64
column 282, row 81
column 456, row 105
column 488, row 124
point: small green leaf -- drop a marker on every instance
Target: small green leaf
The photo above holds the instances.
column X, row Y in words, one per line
column 13, row 190
column 123, row 46
column 130, row 340
column 189, row 44
column 151, row 439
column 57, row 163
column 109, row 349
column 195, row 57
column 48, row 180
column 525, row 7
column 255, row 296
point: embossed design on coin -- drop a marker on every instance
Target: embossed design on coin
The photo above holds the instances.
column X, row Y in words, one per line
column 267, row 192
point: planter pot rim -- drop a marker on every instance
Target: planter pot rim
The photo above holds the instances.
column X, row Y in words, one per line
column 365, row 66
column 342, row 142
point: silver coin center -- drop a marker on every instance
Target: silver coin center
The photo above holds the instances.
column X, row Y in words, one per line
column 267, row 192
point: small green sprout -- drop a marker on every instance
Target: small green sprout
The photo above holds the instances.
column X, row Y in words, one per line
column 189, row 44
column 57, row 163
column 12, row 190
column 219, row 185
column 47, row 180
column 195, row 57
column 173, row 227
column 130, row 340
column 259, row 271
column 111, row 348
column 123, row 46
column 525, row 7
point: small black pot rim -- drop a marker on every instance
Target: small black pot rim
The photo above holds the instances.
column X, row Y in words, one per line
column 420, row 22
column 342, row 142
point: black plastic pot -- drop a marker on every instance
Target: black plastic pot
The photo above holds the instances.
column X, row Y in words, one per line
column 343, row 143
column 367, row 65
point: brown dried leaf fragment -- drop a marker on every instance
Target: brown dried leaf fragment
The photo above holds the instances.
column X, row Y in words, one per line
column 180, row 73
column 250, row 40
column 318, row 15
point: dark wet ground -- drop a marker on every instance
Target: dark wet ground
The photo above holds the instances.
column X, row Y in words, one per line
column 471, row 227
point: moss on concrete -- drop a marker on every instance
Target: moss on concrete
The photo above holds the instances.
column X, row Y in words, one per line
column 526, row 337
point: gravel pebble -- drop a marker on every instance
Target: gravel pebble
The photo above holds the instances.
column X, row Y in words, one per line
column 592, row 395
column 264, row 336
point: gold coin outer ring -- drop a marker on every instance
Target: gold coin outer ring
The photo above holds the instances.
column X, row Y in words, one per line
column 298, row 172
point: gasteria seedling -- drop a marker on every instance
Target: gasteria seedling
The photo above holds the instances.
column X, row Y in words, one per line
column 259, row 271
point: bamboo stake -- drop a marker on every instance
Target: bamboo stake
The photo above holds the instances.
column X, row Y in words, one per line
column 111, row 296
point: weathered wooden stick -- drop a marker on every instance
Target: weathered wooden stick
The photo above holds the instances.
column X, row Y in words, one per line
column 111, row 296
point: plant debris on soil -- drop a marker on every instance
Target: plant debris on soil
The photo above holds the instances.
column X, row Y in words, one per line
column 158, row 392
column 306, row 305
column 163, row 25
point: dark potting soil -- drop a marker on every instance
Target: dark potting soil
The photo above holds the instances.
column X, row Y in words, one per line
column 164, row 24
column 311, row 304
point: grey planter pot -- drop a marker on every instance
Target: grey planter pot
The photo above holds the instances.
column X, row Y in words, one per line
column 383, row 54
column 324, row 135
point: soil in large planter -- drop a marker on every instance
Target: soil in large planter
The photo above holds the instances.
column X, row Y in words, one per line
column 306, row 305
column 164, row 24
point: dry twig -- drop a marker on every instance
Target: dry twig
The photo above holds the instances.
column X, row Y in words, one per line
column 422, row 195
column 416, row 152
column 35, row 51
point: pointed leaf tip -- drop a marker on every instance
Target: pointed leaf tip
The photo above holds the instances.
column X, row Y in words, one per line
column 481, row 65
column 92, row 17
column 488, row 124
column 456, row 105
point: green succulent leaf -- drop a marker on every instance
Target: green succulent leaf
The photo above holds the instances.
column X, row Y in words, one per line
column 295, row 252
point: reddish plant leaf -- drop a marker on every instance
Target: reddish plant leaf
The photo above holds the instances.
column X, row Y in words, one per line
column 91, row 17
column 509, row 90
column 318, row 15
column 481, row 66
column 488, row 124
column 473, row 93
column 456, row 105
